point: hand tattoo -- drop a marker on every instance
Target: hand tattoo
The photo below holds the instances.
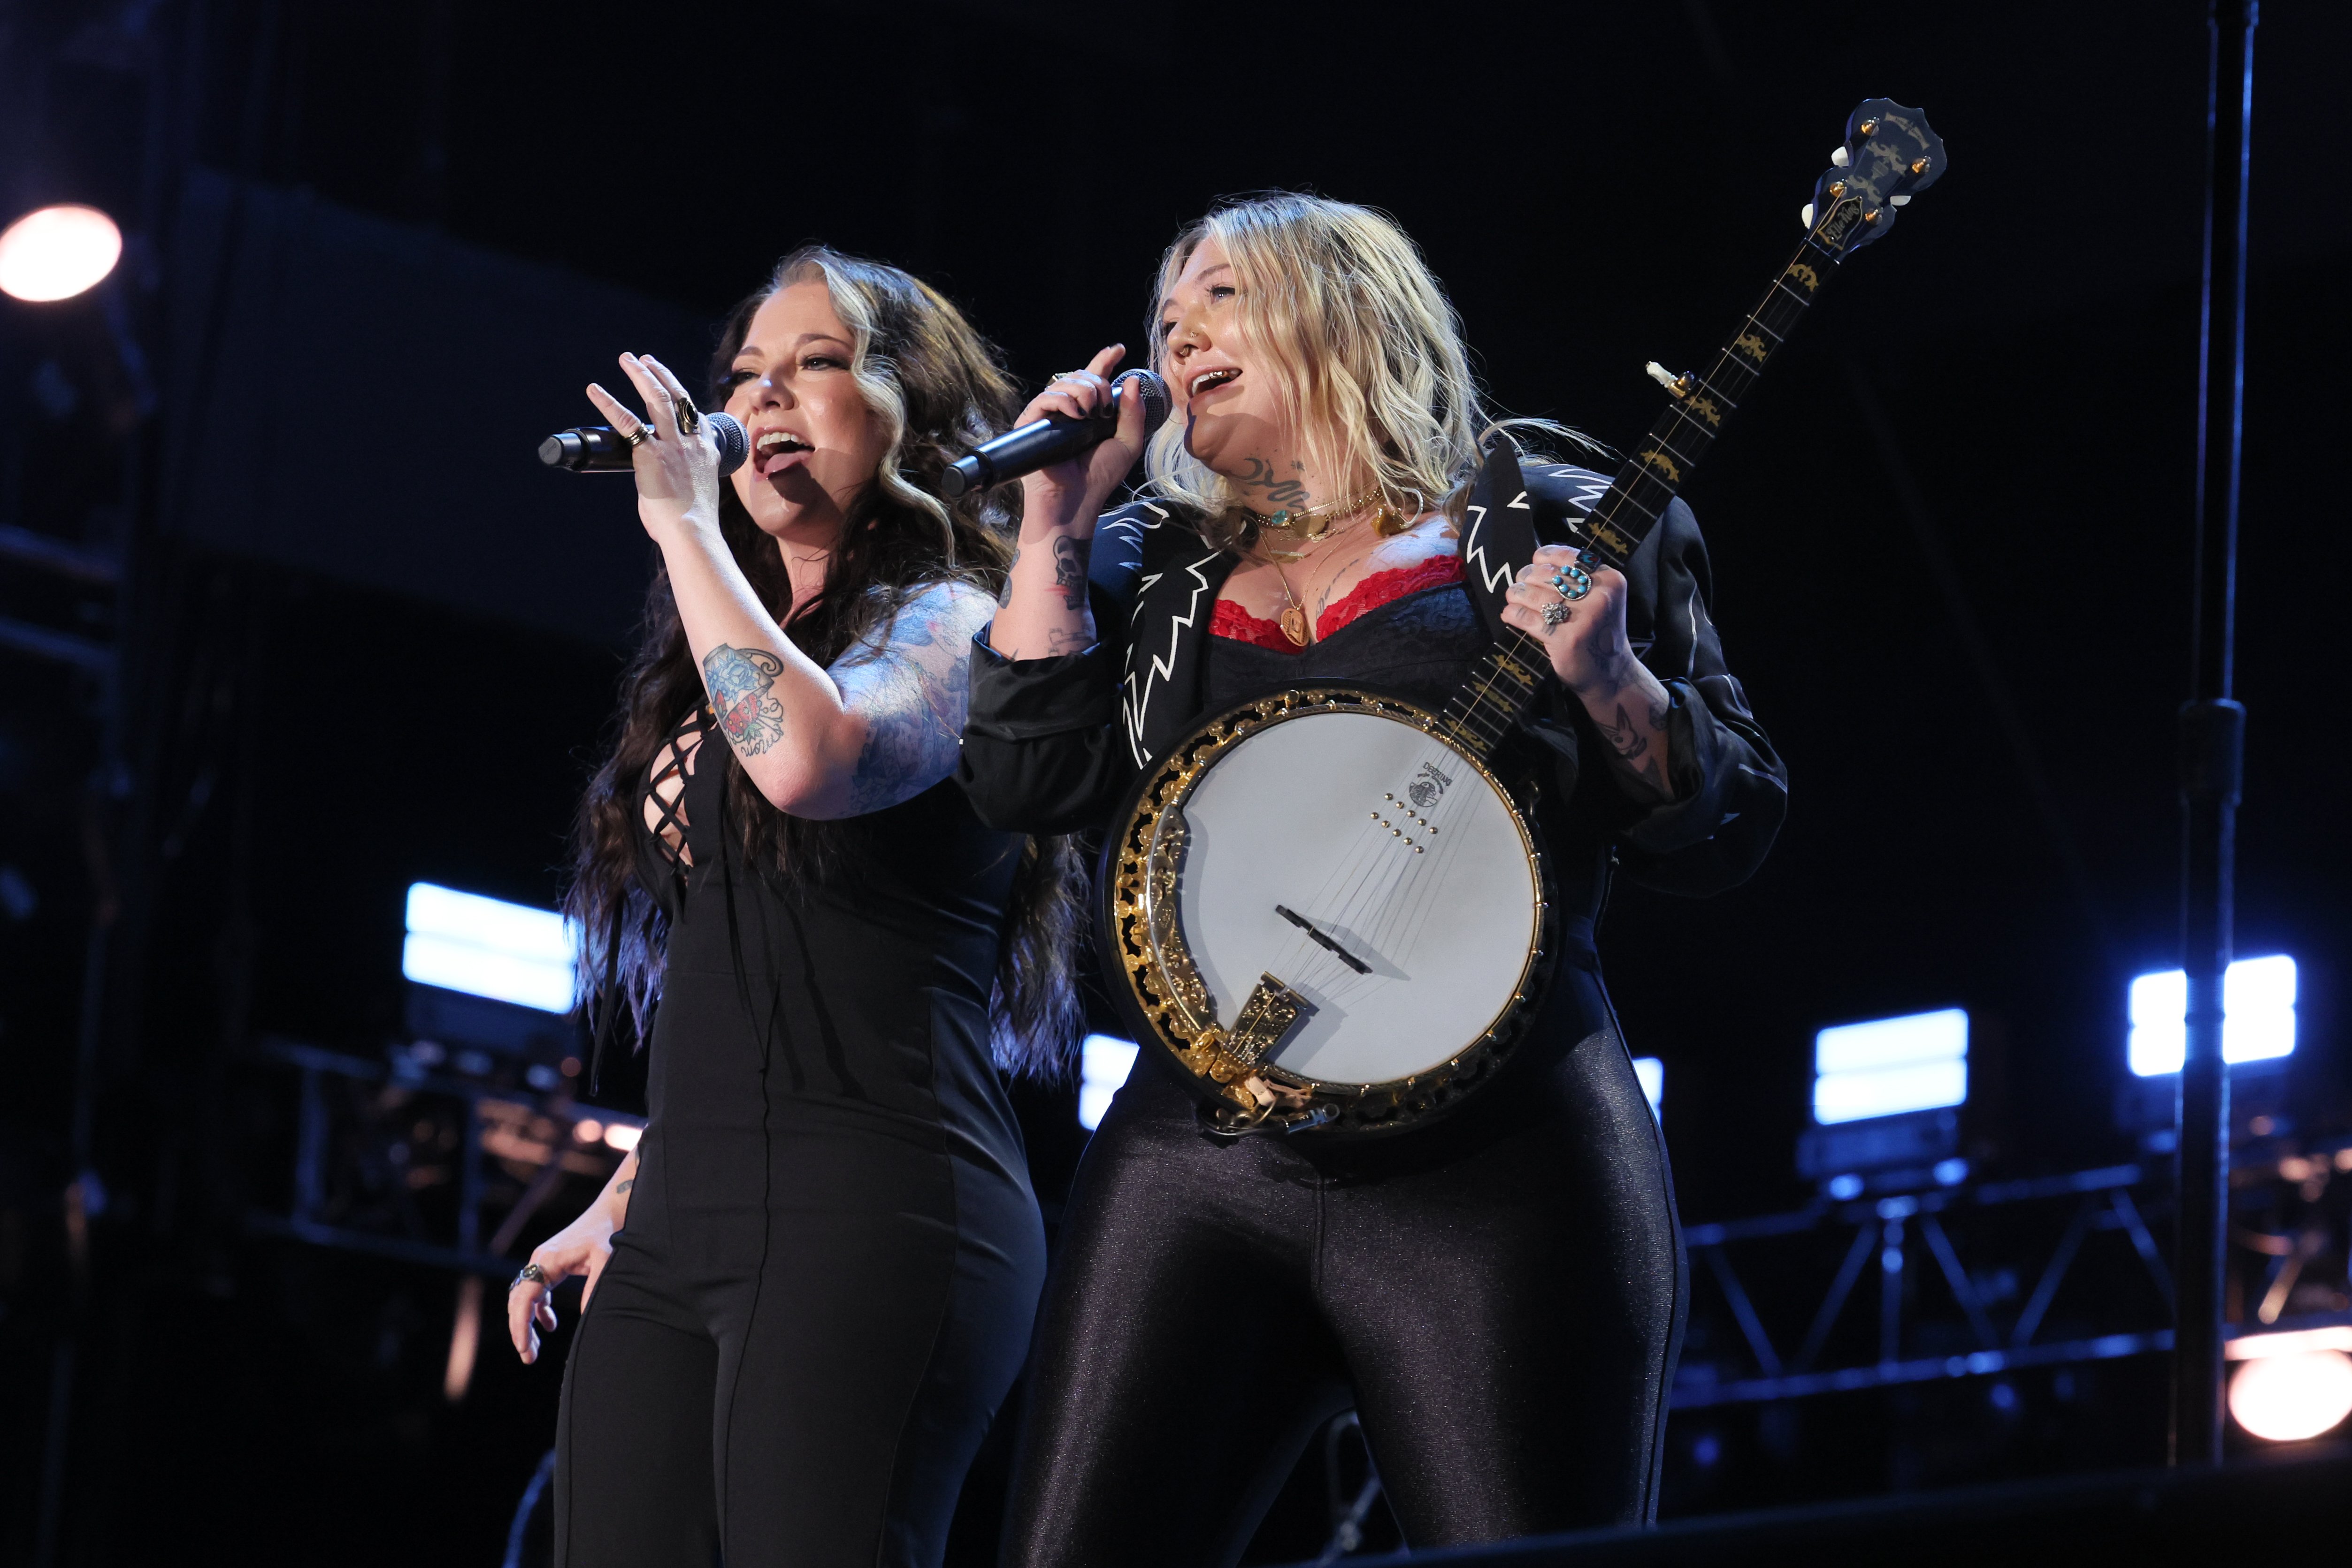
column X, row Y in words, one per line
column 739, row 679
column 1070, row 558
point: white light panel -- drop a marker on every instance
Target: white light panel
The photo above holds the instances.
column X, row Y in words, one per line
column 2257, row 1015
column 1890, row 1066
column 489, row 948
column 56, row 253
column 1653, row 1074
column 1104, row 1062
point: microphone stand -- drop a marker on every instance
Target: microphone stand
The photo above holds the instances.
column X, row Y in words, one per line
column 2212, row 739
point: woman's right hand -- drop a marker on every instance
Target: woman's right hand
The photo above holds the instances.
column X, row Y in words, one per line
column 582, row 1247
column 1067, row 496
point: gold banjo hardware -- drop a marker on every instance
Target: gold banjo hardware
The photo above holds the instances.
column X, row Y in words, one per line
column 1148, row 942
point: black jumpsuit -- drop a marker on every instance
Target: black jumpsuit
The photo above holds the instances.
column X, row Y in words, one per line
column 832, row 1258
column 1498, row 1295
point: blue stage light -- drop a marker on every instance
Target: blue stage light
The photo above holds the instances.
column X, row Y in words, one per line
column 1653, row 1074
column 489, row 948
column 1104, row 1062
column 2257, row 1015
column 1890, row 1066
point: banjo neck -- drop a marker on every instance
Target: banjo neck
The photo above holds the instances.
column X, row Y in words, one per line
column 1892, row 153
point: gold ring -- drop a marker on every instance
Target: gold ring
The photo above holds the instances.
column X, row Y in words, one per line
column 638, row 434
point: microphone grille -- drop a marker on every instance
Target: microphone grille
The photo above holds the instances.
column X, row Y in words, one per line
column 1154, row 392
column 734, row 445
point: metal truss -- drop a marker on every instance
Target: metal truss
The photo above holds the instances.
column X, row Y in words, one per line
column 1936, row 1316
column 371, row 1136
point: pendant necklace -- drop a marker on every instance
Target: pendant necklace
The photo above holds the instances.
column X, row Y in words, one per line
column 1293, row 619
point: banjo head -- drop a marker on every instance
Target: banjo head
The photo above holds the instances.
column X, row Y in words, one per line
column 1328, row 913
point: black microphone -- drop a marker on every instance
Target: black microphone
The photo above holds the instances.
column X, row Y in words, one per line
column 1026, row 448
column 600, row 449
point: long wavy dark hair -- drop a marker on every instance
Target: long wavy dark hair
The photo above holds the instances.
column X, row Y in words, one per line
column 935, row 385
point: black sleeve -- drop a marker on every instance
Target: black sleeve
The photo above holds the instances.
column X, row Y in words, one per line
column 1731, row 788
column 1039, row 741
column 1041, row 745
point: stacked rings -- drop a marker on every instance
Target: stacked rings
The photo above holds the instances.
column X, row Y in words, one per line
column 634, row 436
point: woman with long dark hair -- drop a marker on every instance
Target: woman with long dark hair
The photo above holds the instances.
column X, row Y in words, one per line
column 1497, row 1294
column 811, row 1282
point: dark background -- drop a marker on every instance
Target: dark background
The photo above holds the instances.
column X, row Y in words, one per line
column 376, row 250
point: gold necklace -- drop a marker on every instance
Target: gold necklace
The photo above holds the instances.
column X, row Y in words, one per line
column 1293, row 619
column 1308, row 524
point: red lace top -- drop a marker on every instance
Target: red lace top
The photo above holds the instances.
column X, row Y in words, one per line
column 1230, row 619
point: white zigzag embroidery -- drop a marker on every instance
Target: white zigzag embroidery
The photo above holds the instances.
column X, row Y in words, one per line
column 1474, row 552
column 1137, row 704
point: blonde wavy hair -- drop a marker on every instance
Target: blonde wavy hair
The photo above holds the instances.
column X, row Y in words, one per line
column 1336, row 308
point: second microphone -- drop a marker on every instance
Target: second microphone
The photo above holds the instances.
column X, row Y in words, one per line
column 1055, row 438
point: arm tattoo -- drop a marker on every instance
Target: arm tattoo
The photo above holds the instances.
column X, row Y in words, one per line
column 911, row 693
column 1632, row 747
column 739, row 679
column 1070, row 558
column 625, row 1187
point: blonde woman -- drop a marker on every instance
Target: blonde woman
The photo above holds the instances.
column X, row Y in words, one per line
column 1498, row 1295
column 815, row 1279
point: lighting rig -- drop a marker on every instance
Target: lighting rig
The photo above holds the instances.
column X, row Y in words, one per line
column 442, row 1150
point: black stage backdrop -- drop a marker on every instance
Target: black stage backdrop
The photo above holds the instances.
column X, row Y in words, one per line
column 381, row 647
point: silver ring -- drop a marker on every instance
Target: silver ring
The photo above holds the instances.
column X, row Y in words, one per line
column 688, row 417
column 1571, row 581
column 1555, row 614
column 532, row 1274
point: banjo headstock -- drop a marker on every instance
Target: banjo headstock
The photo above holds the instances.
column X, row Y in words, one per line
column 1889, row 155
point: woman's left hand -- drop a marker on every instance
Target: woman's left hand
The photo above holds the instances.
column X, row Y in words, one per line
column 1586, row 636
column 677, row 474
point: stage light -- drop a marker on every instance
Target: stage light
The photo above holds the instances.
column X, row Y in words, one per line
column 1653, row 1074
column 488, row 947
column 621, row 1135
column 1104, row 1062
column 1887, row 1067
column 2257, row 1015
column 55, row 253
column 2292, row 1387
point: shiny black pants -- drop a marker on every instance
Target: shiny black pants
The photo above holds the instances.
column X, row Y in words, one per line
column 1499, row 1297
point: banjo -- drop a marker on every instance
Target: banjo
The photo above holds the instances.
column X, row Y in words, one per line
column 1364, row 966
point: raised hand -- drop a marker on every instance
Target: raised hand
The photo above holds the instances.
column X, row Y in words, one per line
column 1069, row 494
column 678, row 473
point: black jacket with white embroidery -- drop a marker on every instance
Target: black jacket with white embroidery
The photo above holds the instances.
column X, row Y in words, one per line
column 1052, row 744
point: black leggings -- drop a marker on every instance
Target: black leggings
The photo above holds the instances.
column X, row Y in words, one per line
column 804, row 1383
column 1499, row 1297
